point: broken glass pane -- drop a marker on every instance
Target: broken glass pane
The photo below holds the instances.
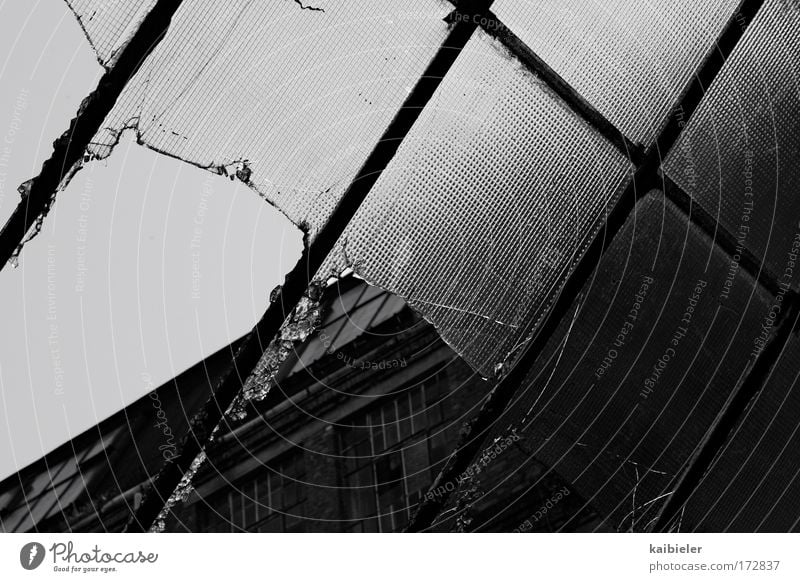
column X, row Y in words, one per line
column 488, row 204
column 247, row 89
column 148, row 266
column 739, row 156
column 629, row 59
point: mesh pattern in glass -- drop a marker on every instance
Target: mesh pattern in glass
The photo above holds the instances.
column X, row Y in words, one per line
column 247, row 89
column 739, row 156
column 629, row 59
column 488, row 204
column 109, row 24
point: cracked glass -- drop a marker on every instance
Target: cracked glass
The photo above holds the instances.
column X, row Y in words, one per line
column 642, row 363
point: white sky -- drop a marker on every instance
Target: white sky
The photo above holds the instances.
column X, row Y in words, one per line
column 111, row 299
